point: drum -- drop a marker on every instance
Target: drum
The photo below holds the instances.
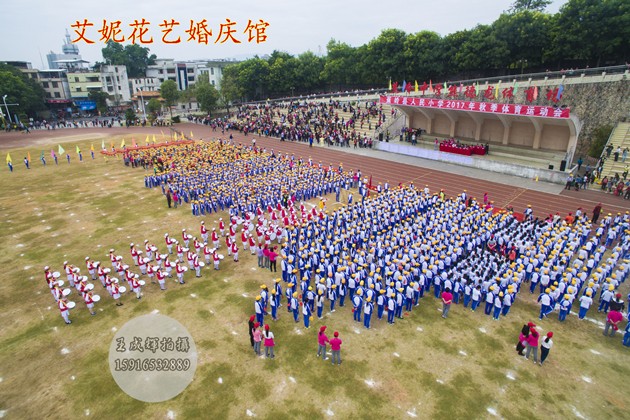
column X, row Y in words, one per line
column 59, row 283
column 96, row 298
column 202, row 264
column 122, row 289
column 239, row 221
column 142, row 282
column 172, row 265
column 185, row 269
column 90, row 286
column 250, row 227
column 56, row 275
column 71, row 305
column 145, row 260
column 153, row 248
column 221, row 256
column 189, row 236
column 66, row 292
column 272, row 235
column 125, row 267
column 107, row 270
column 114, row 279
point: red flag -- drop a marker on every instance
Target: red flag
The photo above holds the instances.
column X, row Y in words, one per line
column 369, row 186
column 395, row 87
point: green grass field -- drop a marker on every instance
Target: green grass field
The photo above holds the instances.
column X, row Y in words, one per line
column 423, row 366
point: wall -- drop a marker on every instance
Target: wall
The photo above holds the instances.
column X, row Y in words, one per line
column 556, row 177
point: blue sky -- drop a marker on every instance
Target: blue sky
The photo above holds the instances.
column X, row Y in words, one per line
column 32, row 29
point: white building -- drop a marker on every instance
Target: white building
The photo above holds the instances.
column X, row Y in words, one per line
column 187, row 73
column 70, row 59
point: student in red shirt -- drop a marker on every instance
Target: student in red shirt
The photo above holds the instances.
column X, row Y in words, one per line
column 447, row 299
column 335, row 347
column 272, row 259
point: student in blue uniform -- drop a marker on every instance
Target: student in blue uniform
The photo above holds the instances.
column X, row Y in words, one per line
column 368, row 308
column 357, row 303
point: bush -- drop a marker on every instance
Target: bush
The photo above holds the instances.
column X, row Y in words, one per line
column 599, row 140
column 175, row 119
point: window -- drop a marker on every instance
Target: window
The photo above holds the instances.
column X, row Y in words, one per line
column 78, row 88
column 212, row 71
column 191, row 78
column 45, row 85
column 57, row 95
column 76, row 79
column 212, row 81
column 189, row 70
column 55, row 84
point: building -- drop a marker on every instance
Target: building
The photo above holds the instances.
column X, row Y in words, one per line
column 108, row 78
column 70, row 59
column 144, row 83
column 187, row 73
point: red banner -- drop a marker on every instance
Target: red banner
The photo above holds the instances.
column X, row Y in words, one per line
column 485, row 107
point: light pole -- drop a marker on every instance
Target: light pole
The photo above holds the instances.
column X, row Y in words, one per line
column 4, row 99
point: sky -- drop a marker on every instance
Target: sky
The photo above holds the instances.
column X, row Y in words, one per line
column 30, row 30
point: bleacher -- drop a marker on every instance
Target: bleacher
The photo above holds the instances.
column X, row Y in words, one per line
column 619, row 137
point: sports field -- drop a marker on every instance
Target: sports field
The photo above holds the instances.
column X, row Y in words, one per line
column 421, row 367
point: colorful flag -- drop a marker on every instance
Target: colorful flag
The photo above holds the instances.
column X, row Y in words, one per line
column 9, row 160
column 78, row 150
column 404, row 86
column 161, row 132
column 52, row 153
column 61, row 150
column 111, row 144
column 146, row 140
column 496, row 91
column 133, row 142
column 103, row 144
column 191, row 134
column 41, row 156
column 535, row 92
column 154, row 139
column 28, row 156
column 183, row 137
column 415, row 86
column 92, row 147
column 515, row 88
column 430, row 86
column 477, row 89
column 122, row 143
column 390, row 85
column 560, row 90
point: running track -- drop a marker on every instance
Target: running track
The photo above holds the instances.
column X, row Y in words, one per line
column 381, row 170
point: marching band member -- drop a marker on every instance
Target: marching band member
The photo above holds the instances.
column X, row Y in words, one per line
column 216, row 259
column 207, row 252
column 215, row 239
column 179, row 269
column 161, row 277
column 204, row 231
column 169, row 243
column 135, row 285
column 116, row 292
column 221, row 227
column 196, row 265
column 88, row 298
column 90, row 268
column 64, row 309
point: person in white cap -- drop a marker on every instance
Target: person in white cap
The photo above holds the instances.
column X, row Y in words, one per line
column 64, row 309
column 133, row 251
column 197, row 245
column 168, row 266
column 204, row 231
column 207, row 252
column 90, row 268
column 148, row 250
column 215, row 238
column 73, row 278
column 112, row 258
column 116, row 292
column 221, row 226
column 135, row 285
column 216, row 259
column 197, row 265
column 189, row 257
column 161, row 277
column 143, row 265
column 108, row 284
column 180, row 269
column 151, row 272
column 68, row 269
column 235, row 251
column 180, row 252
column 186, row 238
column 88, row 298
column 169, row 243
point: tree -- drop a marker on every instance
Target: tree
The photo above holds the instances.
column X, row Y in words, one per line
column 482, row 50
column 170, row 94
column 21, row 89
column 420, row 51
column 538, row 5
column 154, row 107
column 599, row 139
column 339, row 67
column 527, row 35
column 133, row 56
column 130, row 116
column 385, row 57
column 100, row 98
column 206, row 95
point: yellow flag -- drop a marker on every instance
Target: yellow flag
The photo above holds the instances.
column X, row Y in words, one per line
column 122, row 143
column 154, row 139
column 191, row 134
column 183, row 137
column 415, row 88
column 92, row 147
column 9, row 158
column 496, row 91
column 390, row 85
column 111, row 144
column 147, row 139
column 28, row 156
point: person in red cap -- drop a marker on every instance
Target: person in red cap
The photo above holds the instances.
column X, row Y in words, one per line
column 335, row 347
column 257, row 337
column 612, row 320
column 251, row 329
column 545, row 346
column 269, row 342
column 322, row 339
